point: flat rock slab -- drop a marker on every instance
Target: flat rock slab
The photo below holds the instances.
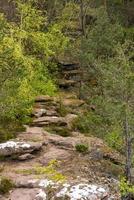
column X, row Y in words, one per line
column 55, row 153
column 12, row 147
column 73, row 102
column 44, row 98
column 49, row 120
column 39, row 190
column 24, row 194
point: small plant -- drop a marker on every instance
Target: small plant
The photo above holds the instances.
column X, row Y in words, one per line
column 50, row 171
column 5, row 185
column 126, row 188
column 82, row 148
column 62, row 110
column 115, row 140
column 64, row 132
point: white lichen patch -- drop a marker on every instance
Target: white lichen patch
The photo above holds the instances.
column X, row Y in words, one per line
column 41, row 195
column 16, row 145
column 9, row 144
column 82, row 191
column 45, row 183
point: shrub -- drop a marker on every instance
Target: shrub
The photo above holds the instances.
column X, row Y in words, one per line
column 89, row 123
column 82, row 148
column 126, row 188
column 115, row 140
column 5, row 185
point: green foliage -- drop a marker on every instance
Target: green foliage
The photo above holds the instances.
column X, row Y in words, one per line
column 125, row 187
column 25, row 52
column 5, row 185
column 8, row 129
column 115, row 140
column 82, row 148
column 62, row 110
column 90, row 123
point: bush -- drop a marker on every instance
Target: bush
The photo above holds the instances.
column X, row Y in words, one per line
column 89, row 123
column 5, row 185
column 82, row 148
column 115, row 140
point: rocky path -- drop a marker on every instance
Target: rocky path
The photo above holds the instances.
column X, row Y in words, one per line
column 43, row 162
column 50, row 144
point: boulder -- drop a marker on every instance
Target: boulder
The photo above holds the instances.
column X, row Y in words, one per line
column 10, row 148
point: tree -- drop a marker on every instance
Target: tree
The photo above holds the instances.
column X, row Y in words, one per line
column 25, row 54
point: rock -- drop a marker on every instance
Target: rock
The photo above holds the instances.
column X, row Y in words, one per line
column 33, row 134
column 40, row 190
column 25, row 194
column 39, row 112
column 51, row 113
column 73, row 102
column 12, row 147
column 55, row 154
column 69, row 66
column 70, row 118
column 26, row 156
column 34, row 183
column 83, row 191
column 41, row 195
column 44, row 98
column 66, row 143
column 67, row 83
column 49, row 121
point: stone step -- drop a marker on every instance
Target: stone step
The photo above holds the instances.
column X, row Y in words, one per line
column 44, row 98
column 68, row 66
column 40, row 112
column 53, row 120
column 67, row 83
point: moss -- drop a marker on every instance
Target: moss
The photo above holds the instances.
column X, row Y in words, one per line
column 62, row 131
column 50, row 171
column 5, row 185
column 82, row 148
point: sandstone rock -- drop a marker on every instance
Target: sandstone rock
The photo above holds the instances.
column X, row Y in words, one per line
column 73, row 102
column 83, row 191
column 69, row 66
column 12, row 147
column 24, row 194
column 51, row 113
column 44, row 98
column 39, row 190
column 49, row 121
column 55, row 153
column 26, row 156
column 70, row 118
column 67, row 83
column 39, row 112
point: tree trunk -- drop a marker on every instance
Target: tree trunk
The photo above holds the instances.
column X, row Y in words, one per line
column 128, row 151
column 82, row 17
